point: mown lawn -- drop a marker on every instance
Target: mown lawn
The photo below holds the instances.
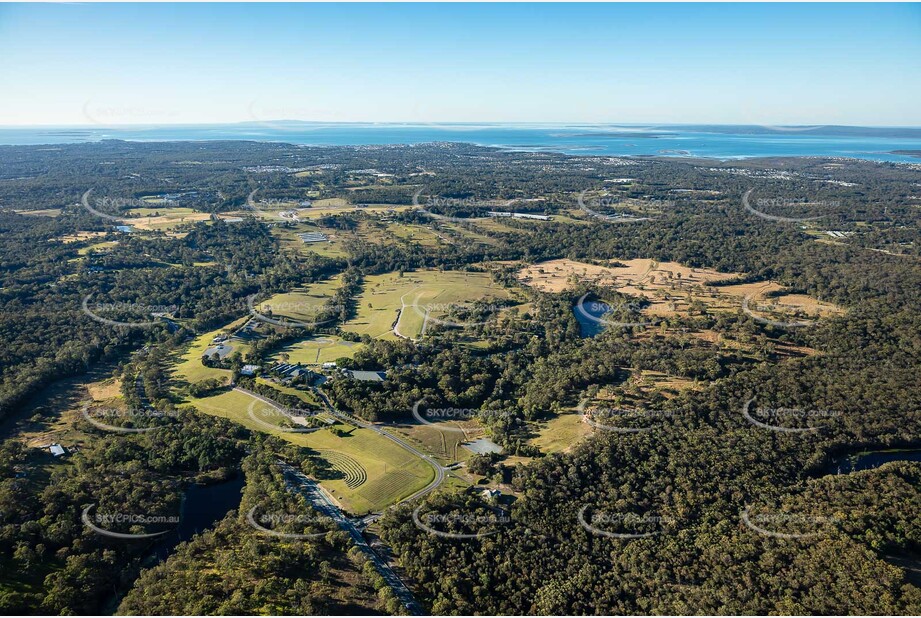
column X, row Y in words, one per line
column 392, row 472
column 189, row 367
column 317, row 350
column 414, row 294
column 560, row 433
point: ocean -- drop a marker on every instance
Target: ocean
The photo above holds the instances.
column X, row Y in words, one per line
column 712, row 141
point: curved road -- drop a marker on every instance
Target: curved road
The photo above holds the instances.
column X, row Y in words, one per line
column 250, row 204
column 315, row 495
column 439, row 469
column 312, row 492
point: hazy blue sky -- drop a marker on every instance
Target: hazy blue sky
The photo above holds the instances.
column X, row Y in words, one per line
column 762, row 64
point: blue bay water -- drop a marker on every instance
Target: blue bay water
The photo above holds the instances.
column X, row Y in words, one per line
column 611, row 140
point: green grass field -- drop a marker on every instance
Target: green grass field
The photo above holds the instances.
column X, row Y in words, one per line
column 161, row 211
column 560, row 433
column 444, row 446
column 303, row 304
column 106, row 244
column 384, row 296
column 417, row 234
column 306, row 396
column 391, row 472
column 189, row 368
column 289, row 241
column 317, row 350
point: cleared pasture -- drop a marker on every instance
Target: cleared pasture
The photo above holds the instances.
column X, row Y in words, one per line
column 390, row 300
column 317, row 350
column 672, row 288
column 560, row 433
column 189, row 367
column 302, row 304
column 392, row 472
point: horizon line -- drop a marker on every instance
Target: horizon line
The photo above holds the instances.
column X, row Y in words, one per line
column 458, row 123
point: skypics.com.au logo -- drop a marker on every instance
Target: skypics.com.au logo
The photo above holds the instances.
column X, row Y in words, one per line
column 788, row 526
column 124, row 310
column 465, row 312
column 102, row 418
column 319, row 312
column 106, row 205
column 596, row 205
column 277, row 209
column 465, row 204
column 606, row 313
column 101, row 522
column 779, row 419
column 440, row 417
column 622, row 525
column 749, row 310
column 270, row 412
column 620, row 420
column 783, row 203
column 108, row 115
column 443, row 525
column 278, row 524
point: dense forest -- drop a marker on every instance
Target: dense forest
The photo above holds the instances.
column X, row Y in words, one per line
column 694, row 480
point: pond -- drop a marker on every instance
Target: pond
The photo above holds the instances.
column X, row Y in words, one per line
column 868, row 460
column 588, row 326
column 202, row 507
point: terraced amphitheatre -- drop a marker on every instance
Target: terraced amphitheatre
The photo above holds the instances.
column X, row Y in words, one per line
column 354, row 473
column 391, row 473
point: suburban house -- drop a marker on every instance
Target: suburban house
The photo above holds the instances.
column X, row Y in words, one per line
column 249, row 370
column 491, row 494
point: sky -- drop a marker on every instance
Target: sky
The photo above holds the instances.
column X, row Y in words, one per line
column 110, row 64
